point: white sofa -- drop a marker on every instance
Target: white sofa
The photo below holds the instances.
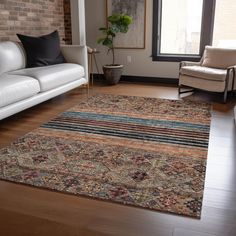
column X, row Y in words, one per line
column 21, row 88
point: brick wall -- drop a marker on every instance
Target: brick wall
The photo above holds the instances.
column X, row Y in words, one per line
column 34, row 17
column 67, row 22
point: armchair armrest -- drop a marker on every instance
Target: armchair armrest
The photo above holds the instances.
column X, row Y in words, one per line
column 189, row 63
column 76, row 54
column 232, row 68
column 231, row 72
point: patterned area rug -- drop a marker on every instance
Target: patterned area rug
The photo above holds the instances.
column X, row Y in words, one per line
column 144, row 152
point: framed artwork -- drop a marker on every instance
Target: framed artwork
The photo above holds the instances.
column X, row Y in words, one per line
column 135, row 37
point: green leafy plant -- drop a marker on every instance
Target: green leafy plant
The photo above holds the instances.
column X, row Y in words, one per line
column 117, row 23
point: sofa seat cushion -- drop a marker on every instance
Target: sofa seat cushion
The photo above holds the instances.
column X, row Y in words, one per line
column 15, row 88
column 204, row 72
column 50, row 77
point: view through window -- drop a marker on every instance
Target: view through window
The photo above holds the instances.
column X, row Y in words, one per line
column 180, row 30
column 224, row 34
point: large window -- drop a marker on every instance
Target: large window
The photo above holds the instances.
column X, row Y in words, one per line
column 181, row 28
column 224, row 34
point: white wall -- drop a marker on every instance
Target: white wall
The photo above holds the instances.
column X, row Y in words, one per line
column 78, row 22
column 142, row 64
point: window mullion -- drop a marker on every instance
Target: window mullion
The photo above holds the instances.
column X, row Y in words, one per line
column 207, row 24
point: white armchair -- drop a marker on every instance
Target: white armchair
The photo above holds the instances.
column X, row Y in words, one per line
column 215, row 72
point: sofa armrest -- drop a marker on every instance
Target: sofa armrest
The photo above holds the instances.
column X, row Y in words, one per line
column 76, row 54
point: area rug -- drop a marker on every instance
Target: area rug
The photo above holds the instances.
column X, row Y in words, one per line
column 138, row 151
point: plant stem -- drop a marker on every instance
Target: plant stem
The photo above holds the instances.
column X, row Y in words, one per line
column 113, row 56
column 113, row 52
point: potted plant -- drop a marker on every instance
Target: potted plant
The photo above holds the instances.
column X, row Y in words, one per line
column 117, row 23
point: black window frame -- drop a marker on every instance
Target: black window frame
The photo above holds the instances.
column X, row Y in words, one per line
column 206, row 37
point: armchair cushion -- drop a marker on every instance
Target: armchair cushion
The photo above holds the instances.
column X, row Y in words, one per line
column 204, row 72
column 220, row 58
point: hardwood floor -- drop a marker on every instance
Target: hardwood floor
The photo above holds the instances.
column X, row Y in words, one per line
column 30, row 211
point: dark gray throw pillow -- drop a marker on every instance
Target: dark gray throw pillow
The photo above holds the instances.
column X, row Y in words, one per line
column 42, row 51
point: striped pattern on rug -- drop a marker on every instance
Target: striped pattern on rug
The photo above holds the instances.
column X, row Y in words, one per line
column 173, row 132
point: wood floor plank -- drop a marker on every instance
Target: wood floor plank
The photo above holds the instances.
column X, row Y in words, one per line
column 183, row 232
column 218, row 198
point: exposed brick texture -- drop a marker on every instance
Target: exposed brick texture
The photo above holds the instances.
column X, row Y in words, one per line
column 67, row 22
column 34, row 17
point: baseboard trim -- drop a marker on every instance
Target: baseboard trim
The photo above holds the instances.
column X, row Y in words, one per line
column 142, row 79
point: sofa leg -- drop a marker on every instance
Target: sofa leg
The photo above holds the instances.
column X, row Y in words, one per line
column 87, row 88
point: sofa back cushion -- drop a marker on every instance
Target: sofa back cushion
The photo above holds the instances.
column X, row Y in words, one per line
column 220, row 58
column 12, row 57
